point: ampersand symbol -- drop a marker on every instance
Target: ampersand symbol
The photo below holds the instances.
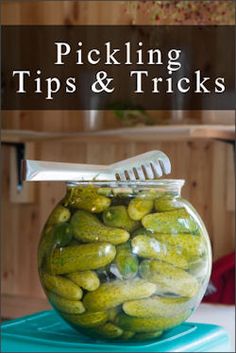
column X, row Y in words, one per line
column 102, row 82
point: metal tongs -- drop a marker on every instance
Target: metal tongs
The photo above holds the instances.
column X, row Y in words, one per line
column 146, row 166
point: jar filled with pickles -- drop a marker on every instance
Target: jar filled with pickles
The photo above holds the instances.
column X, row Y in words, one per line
column 124, row 261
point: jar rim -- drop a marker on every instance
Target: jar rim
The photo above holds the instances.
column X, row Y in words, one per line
column 175, row 183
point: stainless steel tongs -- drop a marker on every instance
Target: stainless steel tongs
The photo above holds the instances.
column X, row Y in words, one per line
column 146, row 166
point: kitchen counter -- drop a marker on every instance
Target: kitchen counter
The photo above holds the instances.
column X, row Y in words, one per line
column 222, row 315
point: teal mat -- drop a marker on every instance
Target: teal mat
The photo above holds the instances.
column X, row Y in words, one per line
column 47, row 332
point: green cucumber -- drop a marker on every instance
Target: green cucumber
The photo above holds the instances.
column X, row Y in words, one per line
column 117, row 216
column 110, row 295
column 179, row 221
column 65, row 305
column 85, row 279
column 80, row 258
column 150, row 324
column 86, row 199
column 61, row 286
column 88, row 229
column 149, row 247
column 169, row 279
column 139, row 207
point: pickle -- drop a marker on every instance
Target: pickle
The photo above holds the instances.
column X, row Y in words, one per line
column 168, row 203
column 46, row 244
column 123, row 192
column 104, row 191
column 143, row 336
column 141, row 231
column 87, row 199
column 178, row 221
column 62, row 234
column 59, row 215
column 150, row 324
column 120, row 201
column 108, row 330
column 148, row 247
column 158, row 306
column 149, row 194
column 139, row 207
column 169, row 279
column 112, row 294
column 117, row 216
column 87, row 228
column 66, row 305
column 75, row 242
column 126, row 263
column 53, row 236
column 80, row 258
column 199, row 269
column 189, row 245
column 86, row 319
column 61, row 286
column 127, row 335
column 85, row 279
column 112, row 313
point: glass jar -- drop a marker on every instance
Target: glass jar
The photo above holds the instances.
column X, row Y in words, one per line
column 124, row 261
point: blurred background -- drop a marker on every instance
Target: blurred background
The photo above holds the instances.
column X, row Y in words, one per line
column 200, row 145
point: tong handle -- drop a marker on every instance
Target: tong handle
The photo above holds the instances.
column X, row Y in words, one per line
column 33, row 170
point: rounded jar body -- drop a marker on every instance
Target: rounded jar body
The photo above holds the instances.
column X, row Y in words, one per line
column 124, row 261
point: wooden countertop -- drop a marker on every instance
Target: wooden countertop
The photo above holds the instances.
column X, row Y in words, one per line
column 152, row 133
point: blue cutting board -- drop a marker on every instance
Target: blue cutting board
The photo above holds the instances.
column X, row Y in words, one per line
column 47, row 332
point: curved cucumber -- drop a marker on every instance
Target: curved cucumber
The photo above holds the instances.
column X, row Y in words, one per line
column 139, row 207
column 142, row 336
column 85, row 279
column 150, row 324
column 108, row 330
column 81, row 258
column 127, row 335
column 117, row 216
column 62, row 234
column 126, row 263
column 87, row 228
column 190, row 246
column 168, row 203
column 178, row 221
column 141, row 231
column 60, row 214
column 169, row 279
column 158, row 306
column 86, row 199
column 112, row 313
column 46, row 244
column 150, row 194
column 87, row 319
column 148, row 247
column 104, row 191
column 61, row 286
column 54, row 235
column 66, row 305
column 110, row 295
column 200, row 269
